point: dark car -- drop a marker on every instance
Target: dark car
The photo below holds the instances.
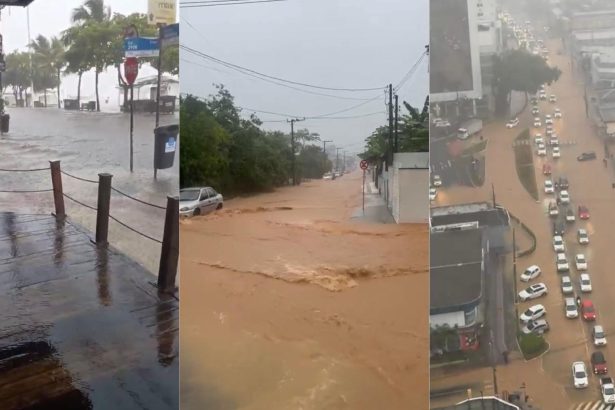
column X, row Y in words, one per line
column 586, row 156
column 562, row 184
column 599, row 363
column 559, row 227
column 583, row 212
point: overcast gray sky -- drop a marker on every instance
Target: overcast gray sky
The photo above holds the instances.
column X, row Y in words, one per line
column 333, row 43
column 50, row 18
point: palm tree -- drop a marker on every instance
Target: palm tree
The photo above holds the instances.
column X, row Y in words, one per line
column 95, row 15
column 77, row 55
column 48, row 59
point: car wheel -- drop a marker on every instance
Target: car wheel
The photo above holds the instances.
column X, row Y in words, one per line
column 197, row 212
column 219, row 206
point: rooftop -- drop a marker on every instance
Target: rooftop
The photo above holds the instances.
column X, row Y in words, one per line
column 480, row 212
column 594, row 34
column 482, row 403
column 456, row 259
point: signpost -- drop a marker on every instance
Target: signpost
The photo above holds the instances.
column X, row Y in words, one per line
column 131, row 70
column 167, row 36
column 141, row 47
column 363, row 164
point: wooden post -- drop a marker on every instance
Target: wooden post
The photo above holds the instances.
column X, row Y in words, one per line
column 104, row 203
column 169, row 254
column 58, row 194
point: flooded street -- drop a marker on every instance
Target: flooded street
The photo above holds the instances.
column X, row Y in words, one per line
column 289, row 302
column 88, row 144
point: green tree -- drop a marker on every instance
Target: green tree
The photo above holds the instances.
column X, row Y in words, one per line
column 518, row 70
column 18, row 74
column 414, row 129
column 48, row 60
column 77, row 54
column 99, row 33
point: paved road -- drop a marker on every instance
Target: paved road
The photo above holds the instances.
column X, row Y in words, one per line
column 88, row 144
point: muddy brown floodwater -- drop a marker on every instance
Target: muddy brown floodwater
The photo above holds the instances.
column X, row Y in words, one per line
column 288, row 303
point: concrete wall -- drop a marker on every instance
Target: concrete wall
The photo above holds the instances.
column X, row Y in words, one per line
column 409, row 188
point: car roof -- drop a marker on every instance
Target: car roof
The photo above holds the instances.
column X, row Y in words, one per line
column 580, row 256
column 581, row 230
column 587, row 303
column 597, row 355
column 566, row 278
column 598, row 328
column 578, row 364
column 536, row 307
column 570, row 301
column 584, row 276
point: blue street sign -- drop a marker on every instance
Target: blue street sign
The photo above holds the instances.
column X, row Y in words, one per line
column 170, row 35
column 141, row 47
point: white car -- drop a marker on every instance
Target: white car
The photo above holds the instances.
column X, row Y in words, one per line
column 432, row 194
column 538, row 139
column 552, row 98
column 537, row 327
column 558, row 244
column 585, row 282
column 437, row 181
column 512, row 123
column 535, row 111
column 533, row 313
column 542, row 95
column 564, row 197
column 553, row 209
column 582, row 237
column 549, row 189
column 557, row 113
column 579, row 375
column 532, row 292
column 561, row 262
column 548, row 119
column 199, row 201
column 580, row 261
column 537, row 123
column 598, row 336
column 530, row 273
column 571, row 308
column 555, row 151
column 554, row 141
column 566, row 284
column 541, row 150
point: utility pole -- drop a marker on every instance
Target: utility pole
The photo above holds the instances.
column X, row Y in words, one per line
column 390, row 150
column 31, row 69
column 292, row 146
column 337, row 159
column 396, row 125
column 493, row 194
column 324, row 152
column 344, row 163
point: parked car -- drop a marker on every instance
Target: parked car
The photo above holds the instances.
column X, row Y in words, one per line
column 433, row 193
column 558, row 244
column 549, row 188
column 582, row 237
column 607, row 388
column 199, row 201
column 564, row 197
column 585, row 282
column 571, row 308
column 530, row 273
column 561, row 262
column 541, row 150
column 586, row 156
column 554, row 142
column 583, row 212
column 533, row 313
column 566, row 284
column 548, row 119
column 570, row 215
column 555, row 152
column 537, row 327
column 327, row 176
column 512, row 123
column 562, row 183
column 557, row 113
column 598, row 363
column 552, row 98
column 598, row 336
column 537, row 123
column 437, row 181
column 588, row 311
column 538, row 139
column 534, row 291
column 579, row 375
column 535, row 111
column 580, row 261
column 546, row 169
column 553, row 209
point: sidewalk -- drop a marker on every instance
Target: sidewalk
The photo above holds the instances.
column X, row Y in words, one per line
column 376, row 210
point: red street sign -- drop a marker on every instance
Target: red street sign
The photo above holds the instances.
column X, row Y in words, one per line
column 131, row 69
column 363, row 165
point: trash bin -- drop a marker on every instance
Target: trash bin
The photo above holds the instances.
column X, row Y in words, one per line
column 165, row 146
column 4, row 122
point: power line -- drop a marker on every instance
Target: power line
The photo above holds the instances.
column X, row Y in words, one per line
column 410, row 72
column 244, row 70
column 191, row 6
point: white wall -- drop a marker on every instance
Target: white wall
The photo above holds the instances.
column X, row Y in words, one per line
column 409, row 188
column 450, row 319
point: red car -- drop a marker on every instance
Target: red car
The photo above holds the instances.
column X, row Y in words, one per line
column 546, row 169
column 599, row 363
column 583, row 212
column 588, row 311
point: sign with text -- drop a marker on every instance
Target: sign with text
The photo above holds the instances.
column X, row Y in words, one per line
column 161, row 11
column 141, row 47
column 170, row 35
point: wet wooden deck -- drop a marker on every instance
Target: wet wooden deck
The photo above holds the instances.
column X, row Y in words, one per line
column 80, row 327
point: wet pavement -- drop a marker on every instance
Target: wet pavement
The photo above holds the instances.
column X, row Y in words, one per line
column 548, row 378
column 88, row 144
column 82, row 327
column 289, row 302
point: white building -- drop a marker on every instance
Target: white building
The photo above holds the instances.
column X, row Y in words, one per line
column 408, row 187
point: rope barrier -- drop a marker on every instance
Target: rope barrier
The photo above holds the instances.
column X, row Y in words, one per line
column 80, row 203
column 79, row 178
column 133, row 229
column 137, row 199
column 26, row 191
column 24, row 170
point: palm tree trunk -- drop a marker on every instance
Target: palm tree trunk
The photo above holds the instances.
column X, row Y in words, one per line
column 45, row 93
column 59, row 88
column 79, row 90
column 97, row 98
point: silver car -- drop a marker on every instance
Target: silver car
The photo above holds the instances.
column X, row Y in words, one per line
column 199, row 201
